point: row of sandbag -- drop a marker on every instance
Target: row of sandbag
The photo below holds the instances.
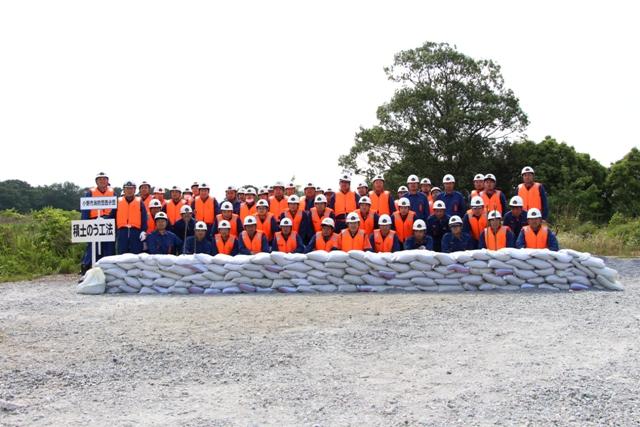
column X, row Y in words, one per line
column 507, row 269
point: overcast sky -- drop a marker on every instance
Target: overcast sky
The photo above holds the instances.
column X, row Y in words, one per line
column 235, row 92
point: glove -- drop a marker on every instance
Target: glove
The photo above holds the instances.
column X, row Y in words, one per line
column 143, row 236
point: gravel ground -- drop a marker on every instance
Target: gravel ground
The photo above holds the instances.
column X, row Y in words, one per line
column 361, row 359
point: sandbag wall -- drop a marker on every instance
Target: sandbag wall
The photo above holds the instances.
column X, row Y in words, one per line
column 357, row 271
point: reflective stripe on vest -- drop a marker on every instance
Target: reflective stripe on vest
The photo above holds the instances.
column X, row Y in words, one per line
column 254, row 245
column 205, row 210
column 494, row 241
column 129, row 214
column 321, row 245
column 404, row 228
column 344, row 203
column 530, row 197
column 225, row 247
column 97, row 193
column 288, row 245
column 533, row 240
column 379, row 203
column 383, row 244
column 477, row 224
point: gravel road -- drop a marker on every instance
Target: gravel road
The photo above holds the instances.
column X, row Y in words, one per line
column 360, row 359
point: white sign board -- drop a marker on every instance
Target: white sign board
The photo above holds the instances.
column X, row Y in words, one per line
column 93, row 230
column 98, row 203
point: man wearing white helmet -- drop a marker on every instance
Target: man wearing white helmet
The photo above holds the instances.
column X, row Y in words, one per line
column 162, row 241
column 263, row 193
column 299, row 218
column 252, row 240
column 456, row 240
column 403, row 219
column 381, row 200
column 241, row 195
column 533, row 193
column 287, row 240
column 435, row 192
column 223, row 242
column 319, row 212
column 187, row 196
column 516, row 218
column 325, row 239
column 353, row 238
column 363, row 189
column 494, row 200
column 344, row 201
column 368, row 219
column 289, row 190
column 185, row 226
column 438, row 224
column 453, row 200
column 307, row 200
column 425, row 187
column 158, row 194
column 266, row 222
column 419, row 239
column 277, row 202
column 249, row 206
column 478, row 186
column 330, row 195
column 384, row 239
column 198, row 243
column 536, row 235
column 172, row 207
column 144, row 192
column 154, row 207
column 205, row 208
column 227, row 214
column 402, row 191
column 231, row 196
column 475, row 220
column 419, row 202
column 131, row 221
column 496, row 236
column 101, row 189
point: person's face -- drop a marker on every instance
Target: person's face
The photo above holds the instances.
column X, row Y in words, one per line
column 456, row 229
column 449, row 186
column 527, row 178
column 419, row 234
column 159, row 196
column 413, row 187
column 327, row 231
column 365, row 208
column 194, row 189
column 477, row 210
column 264, row 196
column 278, row 192
column 425, row 188
column 403, row 210
column 435, row 194
column 144, row 191
column 534, row 223
column 262, row 211
column 290, row 191
column 439, row 213
column 154, row 211
column 242, row 197
column 401, row 194
column 320, row 207
column 478, row 184
column 231, row 194
column 224, row 232
column 329, row 194
column 362, row 191
column 176, row 195
column 251, row 229
column 250, row 198
column 378, row 185
column 200, row 234
column 286, row 230
column 489, row 185
column 495, row 223
column 102, row 182
column 353, row 226
column 161, row 224
column 345, row 186
column 226, row 214
column 204, row 193
column 516, row 210
column 293, row 207
column 129, row 191
column 310, row 192
column 384, row 230
column 186, row 217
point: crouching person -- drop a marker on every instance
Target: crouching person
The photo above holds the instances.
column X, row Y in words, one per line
column 353, row 238
column 496, row 236
column 287, row 240
column 199, row 243
column 162, row 241
column 456, row 240
column 419, row 239
column 385, row 239
column 325, row 239
column 535, row 235
column 252, row 241
column 225, row 242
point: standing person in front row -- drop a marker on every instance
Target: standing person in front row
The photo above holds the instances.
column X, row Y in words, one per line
column 131, row 221
column 101, row 189
column 353, row 238
column 381, row 200
column 343, row 202
column 419, row 239
column 251, row 240
column 494, row 200
column 496, row 236
column 536, row 235
column 533, row 193
column 456, row 240
column 199, row 243
column 384, row 239
column 453, row 200
column 224, row 242
column 287, row 240
column 162, row 241
column 419, row 202
column 325, row 239
column 205, row 208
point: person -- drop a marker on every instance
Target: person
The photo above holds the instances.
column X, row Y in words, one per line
column 362, row 189
column 453, row 200
column 205, row 208
column 231, row 196
column 494, row 200
column 425, row 188
column 227, row 214
column 330, row 195
column 325, row 239
column 384, row 239
column 533, row 193
column 185, row 226
column 368, row 219
column 319, row 190
column 319, row 212
column 162, row 241
column 435, row 192
column 419, row 202
column 536, row 235
column 101, row 189
column 187, row 196
column 344, row 202
column 353, row 238
column 277, row 202
column 195, row 189
column 242, row 192
column 456, row 240
column 438, row 224
column 402, row 191
column 263, row 193
column 271, row 191
column 158, row 194
column 403, row 219
column 475, row 220
column 382, row 201
column 265, row 220
column 496, row 236
column 249, row 206
column 252, row 240
column 419, row 239
column 144, row 192
column 308, row 199
column 289, row 190
column 224, row 242
column 478, row 186
column 298, row 217
column 154, row 207
column 131, row 221
column 516, row 218
column 287, row 240
column 198, row 243
column 173, row 206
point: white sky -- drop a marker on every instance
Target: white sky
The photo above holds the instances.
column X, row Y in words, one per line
column 236, row 92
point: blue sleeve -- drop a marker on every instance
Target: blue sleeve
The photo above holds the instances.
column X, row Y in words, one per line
column 427, row 210
column 274, row 245
column 143, row 214
column 216, row 207
column 463, row 203
column 236, row 248
column 445, row 243
column 372, row 242
column 397, row 246
column 481, row 242
column 470, row 244
column 311, row 246
column 376, row 218
column 214, row 228
column 242, row 248
column 275, row 227
column 214, row 248
column 429, row 244
column 407, row 245
column 299, row 245
column 511, row 239
column 466, row 227
column 240, row 226
column 552, row 241
column 305, row 227
column 545, row 205
column 503, row 202
column 178, row 242
column 392, row 205
column 357, row 197
column 332, row 203
column 265, row 244
column 520, row 242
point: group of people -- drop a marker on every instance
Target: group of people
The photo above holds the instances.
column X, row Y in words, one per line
column 275, row 218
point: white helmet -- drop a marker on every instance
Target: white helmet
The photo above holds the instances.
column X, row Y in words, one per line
column 526, row 169
column 436, row 189
column 286, row 222
column 155, row 203
column 425, row 181
column 403, row 188
column 494, row 215
column 250, row 190
column 534, row 213
column 293, row 199
column 345, row 177
column 448, row 178
column 249, row 220
column 232, row 188
column 329, row 190
column 363, row 184
column 353, row 217
column 490, row 176
column 364, row 199
column 242, row 190
column 478, row 177
column 516, row 201
column 161, row 215
column 185, row 209
column 419, row 225
column 262, row 203
column 226, row 206
column 477, row 202
column 378, row 178
column 291, row 185
column 404, row 202
column 329, row 222
column 455, row 219
column 413, row 178
column 320, row 198
column 201, row 225
column 384, row 220
column 310, row 185
column 226, row 224
column 278, row 184
column 104, row 175
column 439, row 204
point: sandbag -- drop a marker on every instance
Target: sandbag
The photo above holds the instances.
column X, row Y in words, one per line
column 93, row 283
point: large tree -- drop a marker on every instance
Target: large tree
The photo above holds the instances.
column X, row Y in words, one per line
column 451, row 114
column 623, row 184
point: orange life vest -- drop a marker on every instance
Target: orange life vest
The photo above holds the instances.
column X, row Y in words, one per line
column 477, row 224
column 277, row 207
column 357, row 242
column 97, row 193
column 380, row 203
column 533, row 240
column 245, row 210
column 530, row 197
column 225, row 247
column 265, row 226
column 474, row 193
column 233, row 221
column 383, row 244
column 494, row 241
column 344, row 202
column 404, row 227
column 254, row 245
column 492, row 203
column 289, row 245
column 151, row 224
column 297, row 220
column 173, row 210
column 129, row 213
column 321, row 245
column 316, row 219
column 205, row 210
column 366, row 224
